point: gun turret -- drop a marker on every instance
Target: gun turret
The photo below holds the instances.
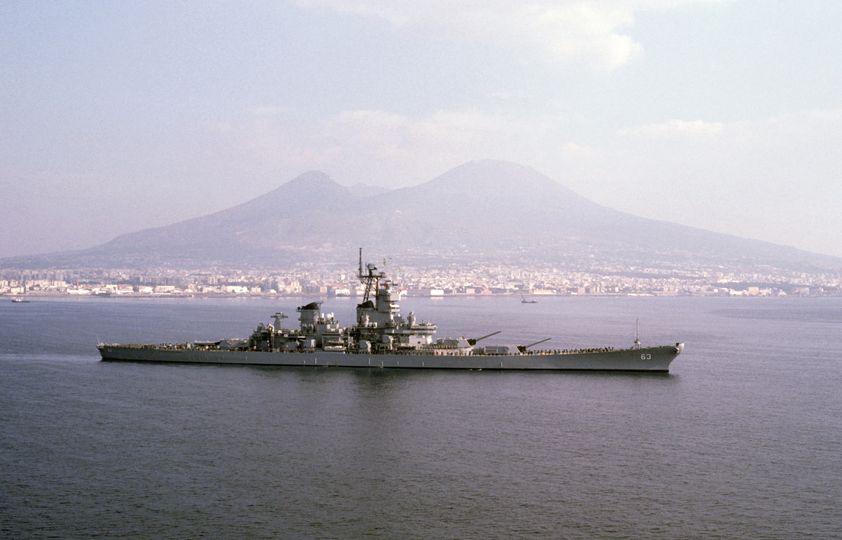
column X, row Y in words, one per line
column 473, row 341
column 523, row 348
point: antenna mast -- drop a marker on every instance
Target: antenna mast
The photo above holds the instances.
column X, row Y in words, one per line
column 370, row 278
column 637, row 333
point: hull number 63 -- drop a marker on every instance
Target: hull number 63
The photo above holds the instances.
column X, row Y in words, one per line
column 646, row 356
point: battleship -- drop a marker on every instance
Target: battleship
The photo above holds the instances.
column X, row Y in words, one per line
column 383, row 338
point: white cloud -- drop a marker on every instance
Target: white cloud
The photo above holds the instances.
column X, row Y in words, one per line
column 572, row 151
column 581, row 32
column 269, row 110
column 590, row 32
column 676, row 128
column 388, row 148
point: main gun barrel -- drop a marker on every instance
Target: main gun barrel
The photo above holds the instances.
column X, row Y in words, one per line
column 523, row 348
column 473, row 341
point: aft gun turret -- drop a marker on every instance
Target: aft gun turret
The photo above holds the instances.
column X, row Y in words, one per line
column 523, row 348
column 473, row 341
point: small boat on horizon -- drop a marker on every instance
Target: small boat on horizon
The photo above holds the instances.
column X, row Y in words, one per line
column 523, row 300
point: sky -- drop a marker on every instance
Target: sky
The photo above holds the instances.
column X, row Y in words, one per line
column 719, row 114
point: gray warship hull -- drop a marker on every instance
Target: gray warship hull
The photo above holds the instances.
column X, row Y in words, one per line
column 646, row 359
column 383, row 338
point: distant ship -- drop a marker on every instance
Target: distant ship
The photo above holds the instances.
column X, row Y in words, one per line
column 383, row 338
column 19, row 301
column 523, row 300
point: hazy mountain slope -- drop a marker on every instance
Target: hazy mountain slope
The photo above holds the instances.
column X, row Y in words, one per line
column 491, row 210
column 264, row 227
column 505, row 210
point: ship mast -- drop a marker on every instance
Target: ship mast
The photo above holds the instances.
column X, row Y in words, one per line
column 371, row 278
column 637, row 333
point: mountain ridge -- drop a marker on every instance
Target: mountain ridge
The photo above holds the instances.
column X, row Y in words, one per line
column 481, row 210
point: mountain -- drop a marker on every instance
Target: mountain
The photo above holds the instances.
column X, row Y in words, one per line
column 480, row 211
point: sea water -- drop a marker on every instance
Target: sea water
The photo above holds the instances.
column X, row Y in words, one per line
column 743, row 439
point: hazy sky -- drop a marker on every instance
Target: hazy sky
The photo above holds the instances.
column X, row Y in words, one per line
column 118, row 116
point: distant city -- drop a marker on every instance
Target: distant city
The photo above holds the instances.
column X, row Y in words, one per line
column 427, row 281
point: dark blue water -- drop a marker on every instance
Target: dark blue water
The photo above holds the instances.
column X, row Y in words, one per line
column 742, row 440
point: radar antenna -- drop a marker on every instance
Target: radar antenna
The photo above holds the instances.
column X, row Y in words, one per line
column 278, row 318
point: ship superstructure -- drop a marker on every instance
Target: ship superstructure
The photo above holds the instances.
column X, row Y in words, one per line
column 380, row 328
